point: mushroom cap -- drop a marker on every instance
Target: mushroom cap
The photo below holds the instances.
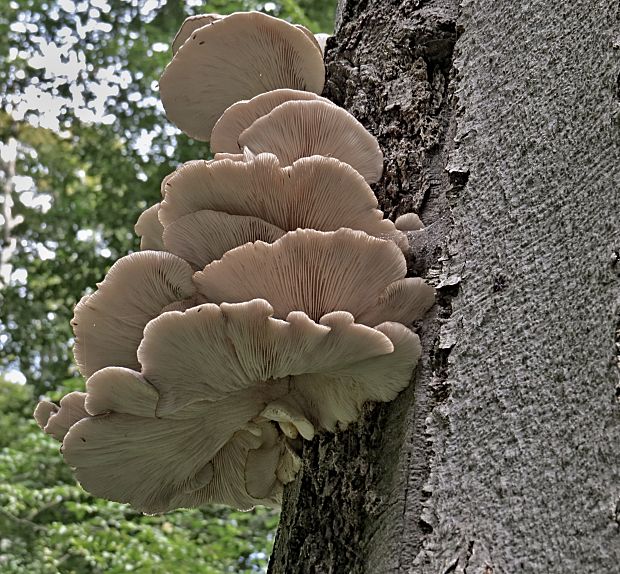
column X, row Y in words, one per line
column 409, row 222
column 206, row 235
column 128, row 454
column 150, row 230
column 259, row 200
column 108, row 324
column 320, row 272
column 189, row 26
column 309, row 376
column 334, row 400
column 298, row 129
column 196, row 425
column 211, row 351
column 57, row 420
column 241, row 115
column 265, row 53
column 310, row 37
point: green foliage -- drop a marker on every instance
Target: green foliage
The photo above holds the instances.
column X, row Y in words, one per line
column 48, row 524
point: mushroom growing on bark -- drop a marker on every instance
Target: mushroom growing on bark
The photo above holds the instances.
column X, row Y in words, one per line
column 320, row 272
column 181, row 431
column 241, row 115
column 409, row 222
column 198, row 382
column 298, row 129
column 265, row 53
column 108, row 324
column 212, row 207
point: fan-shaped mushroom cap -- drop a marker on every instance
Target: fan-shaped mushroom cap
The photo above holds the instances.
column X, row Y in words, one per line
column 204, row 236
column 259, row 200
column 56, row 420
column 409, row 222
column 211, row 351
column 150, row 230
column 265, row 53
column 297, row 129
column 189, row 26
column 320, row 272
column 157, row 464
column 241, row 115
column 334, row 400
column 108, row 324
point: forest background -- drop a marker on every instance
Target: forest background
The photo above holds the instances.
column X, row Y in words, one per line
column 84, row 143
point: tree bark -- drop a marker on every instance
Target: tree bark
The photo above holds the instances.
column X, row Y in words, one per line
column 499, row 125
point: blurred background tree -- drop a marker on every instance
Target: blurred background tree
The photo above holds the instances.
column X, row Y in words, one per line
column 84, row 143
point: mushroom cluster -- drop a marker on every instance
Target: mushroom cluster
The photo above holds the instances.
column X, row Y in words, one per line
column 269, row 300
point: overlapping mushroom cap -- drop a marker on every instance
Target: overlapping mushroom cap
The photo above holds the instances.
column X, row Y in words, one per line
column 212, row 207
column 235, row 58
column 241, row 115
column 108, row 324
column 189, row 26
column 121, row 450
column 297, row 129
column 409, row 222
column 320, row 272
column 194, row 425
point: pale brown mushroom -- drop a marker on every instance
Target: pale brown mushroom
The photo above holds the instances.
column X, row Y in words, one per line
column 263, row 53
column 320, row 272
column 241, row 115
column 57, row 420
column 128, row 454
column 150, row 230
column 315, row 192
column 212, row 350
column 409, row 222
column 189, row 26
column 195, row 425
column 108, row 324
column 205, row 235
column 298, row 129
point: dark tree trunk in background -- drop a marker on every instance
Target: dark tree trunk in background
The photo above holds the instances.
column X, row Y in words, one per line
column 499, row 124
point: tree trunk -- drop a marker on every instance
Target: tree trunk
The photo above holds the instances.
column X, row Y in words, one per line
column 504, row 453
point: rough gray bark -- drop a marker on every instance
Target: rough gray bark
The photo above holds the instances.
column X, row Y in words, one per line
column 504, row 453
